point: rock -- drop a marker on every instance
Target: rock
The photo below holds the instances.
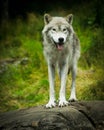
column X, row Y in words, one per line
column 77, row 116
column 24, row 61
column 12, row 61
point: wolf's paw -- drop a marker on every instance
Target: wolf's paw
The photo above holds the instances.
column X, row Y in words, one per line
column 50, row 104
column 63, row 103
column 72, row 100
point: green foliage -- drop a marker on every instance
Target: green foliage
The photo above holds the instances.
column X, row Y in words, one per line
column 24, row 82
column 92, row 88
column 94, row 92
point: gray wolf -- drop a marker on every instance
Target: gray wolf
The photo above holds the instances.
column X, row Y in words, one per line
column 61, row 48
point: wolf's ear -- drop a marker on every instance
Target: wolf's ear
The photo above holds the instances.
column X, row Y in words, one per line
column 47, row 18
column 69, row 18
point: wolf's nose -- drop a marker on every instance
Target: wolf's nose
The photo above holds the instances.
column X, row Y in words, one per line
column 61, row 39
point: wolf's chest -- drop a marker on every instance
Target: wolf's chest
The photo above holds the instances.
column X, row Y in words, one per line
column 54, row 55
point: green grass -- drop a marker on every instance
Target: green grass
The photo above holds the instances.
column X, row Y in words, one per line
column 26, row 84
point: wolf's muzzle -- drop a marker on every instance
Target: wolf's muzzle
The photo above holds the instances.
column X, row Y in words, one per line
column 60, row 43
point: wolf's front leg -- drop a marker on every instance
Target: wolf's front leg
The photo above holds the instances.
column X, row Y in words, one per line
column 73, row 86
column 51, row 74
column 63, row 77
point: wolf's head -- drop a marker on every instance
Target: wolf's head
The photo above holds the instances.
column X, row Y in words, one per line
column 58, row 29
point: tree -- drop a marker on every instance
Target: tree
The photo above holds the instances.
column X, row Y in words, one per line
column 4, row 10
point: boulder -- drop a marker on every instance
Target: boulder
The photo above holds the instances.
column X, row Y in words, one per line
column 82, row 115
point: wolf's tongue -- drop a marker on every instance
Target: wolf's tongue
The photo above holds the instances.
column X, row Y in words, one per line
column 60, row 47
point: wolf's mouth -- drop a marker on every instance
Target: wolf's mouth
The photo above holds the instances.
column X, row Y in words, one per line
column 59, row 45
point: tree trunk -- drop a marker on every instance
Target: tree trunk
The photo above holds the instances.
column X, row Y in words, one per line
column 84, row 115
column 5, row 10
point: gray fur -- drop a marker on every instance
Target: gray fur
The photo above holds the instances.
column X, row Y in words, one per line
column 61, row 49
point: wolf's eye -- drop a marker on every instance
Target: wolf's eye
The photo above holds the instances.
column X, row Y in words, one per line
column 54, row 29
column 64, row 29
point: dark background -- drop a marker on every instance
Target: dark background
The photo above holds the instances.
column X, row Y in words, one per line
column 21, row 7
column 13, row 8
